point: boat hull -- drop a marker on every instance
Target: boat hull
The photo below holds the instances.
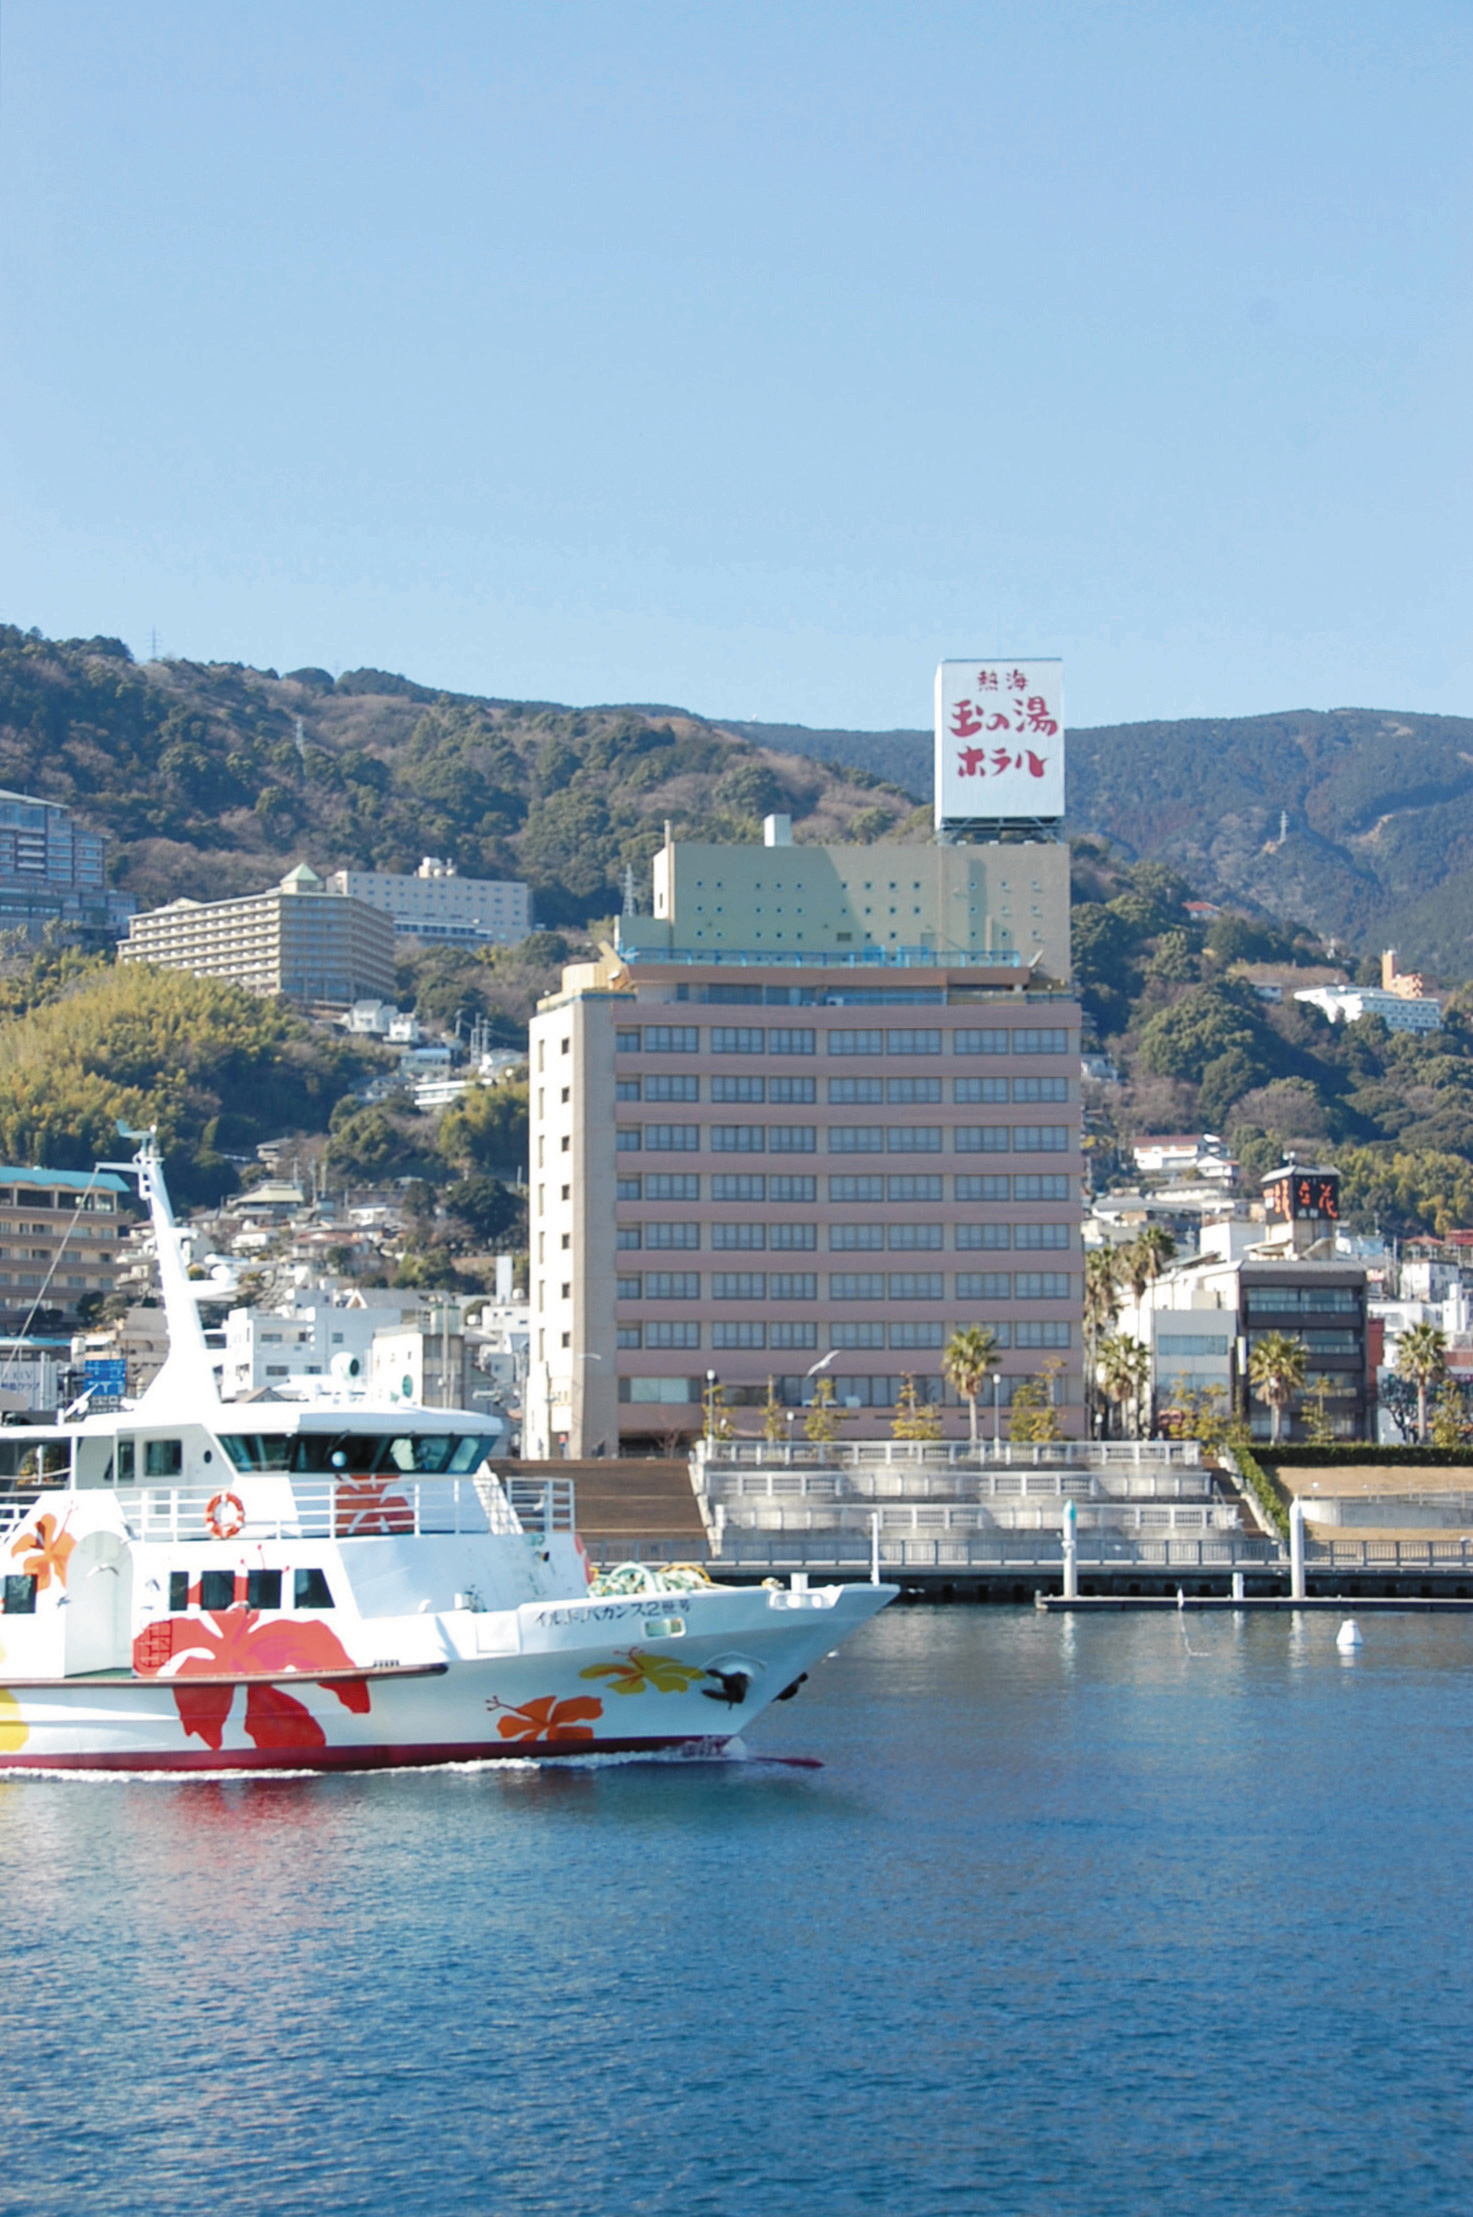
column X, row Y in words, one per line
column 579, row 1694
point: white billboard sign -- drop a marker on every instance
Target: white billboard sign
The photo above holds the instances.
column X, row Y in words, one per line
column 999, row 740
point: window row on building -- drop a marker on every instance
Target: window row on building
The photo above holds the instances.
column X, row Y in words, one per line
column 803, row 1238
column 772, row 1039
column 795, row 1391
column 846, row 1139
column 752, row 1335
column 867, row 1187
column 791, row 1092
column 802, row 1285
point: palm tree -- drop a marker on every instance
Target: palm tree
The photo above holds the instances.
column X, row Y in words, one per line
column 1421, row 1357
column 1101, row 1310
column 1154, row 1249
column 1101, row 1289
column 1276, row 1373
column 971, row 1353
column 1124, row 1367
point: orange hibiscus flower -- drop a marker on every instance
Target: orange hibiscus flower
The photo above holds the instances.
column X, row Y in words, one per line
column 551, row 1719
column 44, row 1548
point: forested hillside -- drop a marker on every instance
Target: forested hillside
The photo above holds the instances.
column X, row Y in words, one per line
column 1198, row 1047
column 213, row 779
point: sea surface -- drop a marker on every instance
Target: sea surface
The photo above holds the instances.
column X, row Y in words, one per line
column 1129, row 1914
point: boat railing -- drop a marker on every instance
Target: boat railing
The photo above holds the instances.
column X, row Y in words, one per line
column 323, row 1508
column 542, row 1505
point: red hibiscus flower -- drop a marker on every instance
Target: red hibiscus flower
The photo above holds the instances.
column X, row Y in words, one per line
column 367, row 1509
column 238, row 1643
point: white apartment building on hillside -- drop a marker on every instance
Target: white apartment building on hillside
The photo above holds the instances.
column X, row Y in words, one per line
column 437, row 903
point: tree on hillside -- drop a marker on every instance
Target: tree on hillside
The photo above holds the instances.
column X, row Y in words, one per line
column 216, row 1069
column 486, row 1129
column 1421, row 1358
column 1276, row 1372
column 970, row 1356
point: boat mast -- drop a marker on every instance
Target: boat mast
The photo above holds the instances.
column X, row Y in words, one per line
column 188, row 1374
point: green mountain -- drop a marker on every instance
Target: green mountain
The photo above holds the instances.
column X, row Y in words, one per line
column 214, row 779
column 1356, row 821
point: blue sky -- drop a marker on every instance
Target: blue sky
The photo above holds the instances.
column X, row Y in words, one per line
column 750, row 357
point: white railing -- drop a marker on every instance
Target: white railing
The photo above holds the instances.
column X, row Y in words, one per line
column 972, row 1517
column 898, row 1483
column 543, row 1505
column 322, row 1508
column 940, row 1454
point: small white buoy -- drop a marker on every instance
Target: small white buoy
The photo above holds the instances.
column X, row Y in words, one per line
column 1348, row 1636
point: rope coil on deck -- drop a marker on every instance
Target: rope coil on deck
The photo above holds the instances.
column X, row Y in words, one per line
column 643, row 1578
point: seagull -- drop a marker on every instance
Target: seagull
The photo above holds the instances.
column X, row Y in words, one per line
column 822, row 1363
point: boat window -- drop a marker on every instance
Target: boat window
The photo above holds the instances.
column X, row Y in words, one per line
column 20, row 1596
column 263, row 1589
column 179, row 1589
column 163, row 1458
column 258, row 1450
column 310, row 1589
column 35, row 1462
column 358, row 1454
column 471, row 1450
column 216, row 1589
column 125, row 1462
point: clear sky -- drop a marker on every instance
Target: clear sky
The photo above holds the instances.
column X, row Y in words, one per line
column 748, row 356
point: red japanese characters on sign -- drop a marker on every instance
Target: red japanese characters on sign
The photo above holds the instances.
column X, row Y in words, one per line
column 999, row 741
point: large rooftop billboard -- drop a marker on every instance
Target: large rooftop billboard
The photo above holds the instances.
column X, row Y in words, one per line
column 999, row 741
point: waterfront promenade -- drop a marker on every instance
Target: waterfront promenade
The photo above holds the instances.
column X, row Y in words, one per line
column 1148, row 1519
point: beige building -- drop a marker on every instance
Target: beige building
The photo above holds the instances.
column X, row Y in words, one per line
column 302, row 938
column 58, row 1239
column 775, row 1163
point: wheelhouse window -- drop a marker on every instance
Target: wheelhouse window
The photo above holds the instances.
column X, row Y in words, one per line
column 163, row 1458
column 360, row 1454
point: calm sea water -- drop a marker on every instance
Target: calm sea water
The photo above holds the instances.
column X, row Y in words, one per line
column 1122, row 1915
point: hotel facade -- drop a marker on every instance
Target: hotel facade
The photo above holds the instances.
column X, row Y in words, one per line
column 814, row 1114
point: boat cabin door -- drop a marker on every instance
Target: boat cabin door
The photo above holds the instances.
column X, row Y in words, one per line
column 99, row 1606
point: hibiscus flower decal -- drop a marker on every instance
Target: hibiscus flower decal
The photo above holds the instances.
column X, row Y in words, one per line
column 44, row 1547
column 238, row 1643
column 638, row 1669
column 367, row 1508
column 549, row 1719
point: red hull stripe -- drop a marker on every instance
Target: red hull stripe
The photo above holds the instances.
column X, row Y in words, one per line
column 355, row 1758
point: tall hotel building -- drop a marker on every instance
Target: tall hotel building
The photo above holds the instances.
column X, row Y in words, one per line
column 815, row 1113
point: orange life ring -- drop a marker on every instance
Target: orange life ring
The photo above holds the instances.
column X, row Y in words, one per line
column 226, row 1515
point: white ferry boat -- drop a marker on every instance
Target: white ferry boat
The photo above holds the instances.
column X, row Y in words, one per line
column 192, row 1584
